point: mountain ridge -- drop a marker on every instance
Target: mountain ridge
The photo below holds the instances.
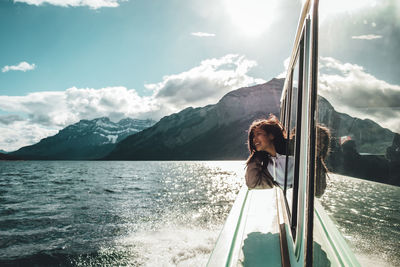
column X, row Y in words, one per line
column 86, row 139
column 219, row 132
column 197, row 133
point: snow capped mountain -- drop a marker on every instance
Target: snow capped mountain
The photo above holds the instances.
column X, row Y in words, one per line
column 104, row 131
column 86, row 139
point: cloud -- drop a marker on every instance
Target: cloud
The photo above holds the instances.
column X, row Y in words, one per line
column 350, row 89
column 9, row 119
column 47, row 112
column 93, row 4
column 333, row 7
column 286, row 63
column 204, row 84
column 203, row 34
column 367, row 37
column 23, row 133
column 65, row 107
column 23, row 66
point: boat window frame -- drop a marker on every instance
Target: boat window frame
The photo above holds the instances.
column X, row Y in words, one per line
column 313, row 133
column 292, row 214
column 288, row 105
column 301, row 223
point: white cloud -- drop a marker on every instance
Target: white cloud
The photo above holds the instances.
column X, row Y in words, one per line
column 204, row 84
column 203, row 34
column 93, row 4
column 69, row 106
column 47, row 112
column 350, row 89
column 23, row 133
column 23, row 66
column 367, row 37
column 331, row 8
column 9, row 119
column 286, row 66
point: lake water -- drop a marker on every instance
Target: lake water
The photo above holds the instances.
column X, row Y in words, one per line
column 93, row 213
column 368, row 215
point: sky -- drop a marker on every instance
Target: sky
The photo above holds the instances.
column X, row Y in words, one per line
column 66, row 60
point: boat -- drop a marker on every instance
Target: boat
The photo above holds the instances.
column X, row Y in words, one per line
column 288, row 226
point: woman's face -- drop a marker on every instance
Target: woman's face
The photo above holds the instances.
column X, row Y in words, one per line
column 261, row 140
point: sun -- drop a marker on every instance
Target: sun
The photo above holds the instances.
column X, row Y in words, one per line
column 251, row 17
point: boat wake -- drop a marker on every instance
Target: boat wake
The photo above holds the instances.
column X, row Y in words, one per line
column 170, row 246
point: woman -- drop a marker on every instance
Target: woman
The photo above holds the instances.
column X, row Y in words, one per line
column 267, row 146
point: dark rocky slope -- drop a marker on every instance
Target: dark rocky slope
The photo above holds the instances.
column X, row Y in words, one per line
column 213, row 132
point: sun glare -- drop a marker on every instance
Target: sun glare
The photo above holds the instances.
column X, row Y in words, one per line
column 251, row 17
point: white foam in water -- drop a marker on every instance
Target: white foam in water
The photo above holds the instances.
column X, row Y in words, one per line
column 372, row 261
column 173, row 246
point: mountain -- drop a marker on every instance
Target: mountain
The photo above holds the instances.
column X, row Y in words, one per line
column 212, row 132
column 3, row 152
column 369, row 136
column 4, row 156
column 368, row 151
column 87, row 139
column 219, row 132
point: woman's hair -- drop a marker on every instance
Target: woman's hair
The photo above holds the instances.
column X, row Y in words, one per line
column 323, row 143
column 270, row 126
